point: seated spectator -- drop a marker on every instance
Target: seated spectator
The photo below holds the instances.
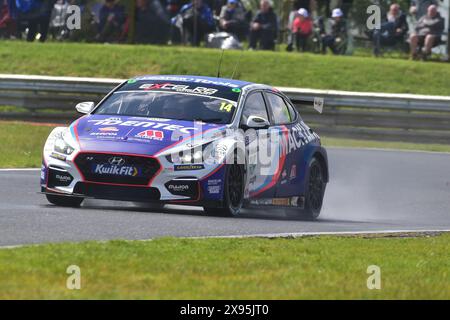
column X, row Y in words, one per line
column 152, row 22
column 196, row 20
column 392, row 31
column 264, row 27
column 419, row 7
column 296, row 5
column 302, row 29
column 7, row 23
column 336, row 37
column 427, row 34
column 232, row 19
column 111, row 21
column 58, row 20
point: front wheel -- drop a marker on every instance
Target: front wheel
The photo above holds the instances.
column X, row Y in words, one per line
column 233, row 193
column 65, row 201
column 314, row 193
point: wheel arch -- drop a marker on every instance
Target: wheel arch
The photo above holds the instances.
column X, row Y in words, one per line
column 321, row 156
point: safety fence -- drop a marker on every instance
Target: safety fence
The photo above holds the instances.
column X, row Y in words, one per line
column 377, row 116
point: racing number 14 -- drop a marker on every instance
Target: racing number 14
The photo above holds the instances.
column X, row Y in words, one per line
column 225, row 106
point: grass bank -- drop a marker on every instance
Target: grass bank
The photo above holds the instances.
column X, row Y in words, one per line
column 276, row 68
column 305, row 268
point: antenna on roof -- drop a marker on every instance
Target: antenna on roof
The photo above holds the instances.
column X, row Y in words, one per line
column 220, row 64
column 237, row 64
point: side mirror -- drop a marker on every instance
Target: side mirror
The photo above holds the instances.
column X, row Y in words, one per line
column 85, row 107
column 256, row 122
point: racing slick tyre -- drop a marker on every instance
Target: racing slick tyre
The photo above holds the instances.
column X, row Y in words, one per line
column 314, row 193
column 233, row 193
column 64, row 201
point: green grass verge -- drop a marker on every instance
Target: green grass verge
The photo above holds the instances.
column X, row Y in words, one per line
column 275, row 68
column 22, row 144
column 306, row 268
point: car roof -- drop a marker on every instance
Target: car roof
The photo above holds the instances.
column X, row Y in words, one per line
column 189, row 78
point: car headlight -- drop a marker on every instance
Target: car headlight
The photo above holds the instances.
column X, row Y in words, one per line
column 62, row 146
column 191, row 156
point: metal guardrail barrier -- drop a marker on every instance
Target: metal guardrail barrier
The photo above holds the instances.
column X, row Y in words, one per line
column 380, row 116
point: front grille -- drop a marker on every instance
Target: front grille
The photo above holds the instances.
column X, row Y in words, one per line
column 100, row 191
column 117, row 169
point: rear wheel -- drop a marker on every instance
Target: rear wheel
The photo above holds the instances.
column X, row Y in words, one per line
column 233, row 193
column 315, row 191
column 64, row 201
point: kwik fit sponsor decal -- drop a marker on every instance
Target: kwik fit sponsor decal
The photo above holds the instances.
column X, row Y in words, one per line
column 124, row 171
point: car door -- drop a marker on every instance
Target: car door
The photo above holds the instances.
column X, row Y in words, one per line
column 257, row 181
column 284, row 120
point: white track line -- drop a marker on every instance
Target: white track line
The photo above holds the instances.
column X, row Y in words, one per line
column 388, row 150
column 325, row 233
column 273, row 235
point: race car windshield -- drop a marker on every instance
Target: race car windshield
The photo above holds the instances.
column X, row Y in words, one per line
column 169, row 105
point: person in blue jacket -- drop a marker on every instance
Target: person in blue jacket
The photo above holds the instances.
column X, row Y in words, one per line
column 32, row 14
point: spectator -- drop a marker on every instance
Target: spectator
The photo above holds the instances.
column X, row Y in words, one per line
column 196, row 21
column 392, row 31
column 419, row 7
column 427, row 34
column 152, row 22
column 173, row 7
column 34, row 15
column 232, row 19
column 302, row 29
column 111, row 21
column 264, row 27
column 336, row 38
column 58, row 20
column 7, row 23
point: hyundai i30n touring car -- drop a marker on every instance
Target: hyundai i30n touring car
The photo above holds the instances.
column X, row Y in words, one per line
column 218, row 143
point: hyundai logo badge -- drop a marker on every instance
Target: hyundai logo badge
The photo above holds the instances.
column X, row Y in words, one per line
column 116, row 161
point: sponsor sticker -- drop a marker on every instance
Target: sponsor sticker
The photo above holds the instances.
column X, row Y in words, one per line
column 214, row 182
column 214, row 189
column 124, row 171
column 187, row 167
column 179, row 88
column 142, row 124
column 103, row 134
column 63, row 178
column 178, row 187
column 151, row 135
column 108, row 129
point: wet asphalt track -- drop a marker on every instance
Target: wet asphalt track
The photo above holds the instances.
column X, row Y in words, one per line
column 370, row 190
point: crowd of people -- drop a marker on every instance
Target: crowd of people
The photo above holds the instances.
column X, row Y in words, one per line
column 190, row 21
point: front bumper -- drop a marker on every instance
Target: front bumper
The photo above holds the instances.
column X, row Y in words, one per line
column 156, row 179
